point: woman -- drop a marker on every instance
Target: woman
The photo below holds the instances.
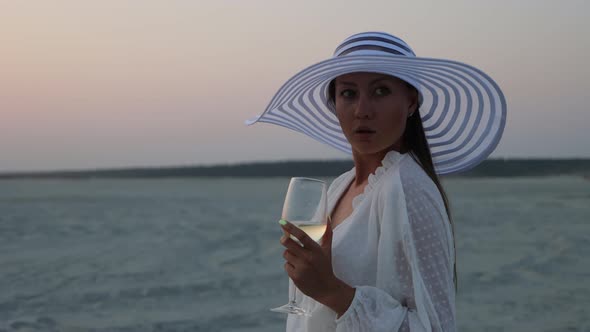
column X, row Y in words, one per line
column 387, row 259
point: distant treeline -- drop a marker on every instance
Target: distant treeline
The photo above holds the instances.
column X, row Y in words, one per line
column 489, row 168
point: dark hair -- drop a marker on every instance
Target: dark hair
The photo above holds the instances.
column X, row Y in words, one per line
column 415, row 142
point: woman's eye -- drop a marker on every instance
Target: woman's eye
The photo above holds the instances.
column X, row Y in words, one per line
column 347, row 93
column 382, row 91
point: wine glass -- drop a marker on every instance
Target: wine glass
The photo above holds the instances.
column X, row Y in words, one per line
column 305, row 207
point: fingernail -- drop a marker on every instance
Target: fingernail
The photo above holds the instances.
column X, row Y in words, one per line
column 283, row 222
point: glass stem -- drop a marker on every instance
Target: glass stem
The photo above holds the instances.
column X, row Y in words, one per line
column 292, row 291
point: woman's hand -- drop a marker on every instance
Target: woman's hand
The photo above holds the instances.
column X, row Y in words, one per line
column 310, row 268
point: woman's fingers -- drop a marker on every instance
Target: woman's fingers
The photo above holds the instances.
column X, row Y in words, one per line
column 299, row 234
column 294, row 247
column 298, row 257
column 293, row 259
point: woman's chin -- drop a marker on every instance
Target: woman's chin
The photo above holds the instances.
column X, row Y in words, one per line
column 369, row 149
column 372, row 148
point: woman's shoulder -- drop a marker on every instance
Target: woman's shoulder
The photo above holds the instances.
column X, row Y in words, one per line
column 410, row 188
column 410, row 178
column 412, row 174
column 417, row 184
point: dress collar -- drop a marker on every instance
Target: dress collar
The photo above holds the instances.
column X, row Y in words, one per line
column 391, row 158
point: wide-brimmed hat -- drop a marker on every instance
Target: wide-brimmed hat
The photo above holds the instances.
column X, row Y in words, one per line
column 462, row 109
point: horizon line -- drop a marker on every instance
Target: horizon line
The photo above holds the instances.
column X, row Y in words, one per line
column 243, row 163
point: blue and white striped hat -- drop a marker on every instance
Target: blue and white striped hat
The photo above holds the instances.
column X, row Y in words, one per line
column 462, row 109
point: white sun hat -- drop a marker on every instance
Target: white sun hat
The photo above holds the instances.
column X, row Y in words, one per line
column 463, row 110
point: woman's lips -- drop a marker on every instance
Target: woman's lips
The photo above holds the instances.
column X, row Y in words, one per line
column 364, row 132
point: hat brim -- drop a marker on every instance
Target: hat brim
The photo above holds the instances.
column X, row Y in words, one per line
column 462, row 109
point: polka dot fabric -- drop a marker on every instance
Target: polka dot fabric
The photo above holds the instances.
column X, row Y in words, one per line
column 396, row 249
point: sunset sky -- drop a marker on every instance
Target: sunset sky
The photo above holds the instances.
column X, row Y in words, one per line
column 119, row 83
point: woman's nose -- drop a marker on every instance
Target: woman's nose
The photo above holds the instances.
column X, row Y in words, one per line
column 364, row 108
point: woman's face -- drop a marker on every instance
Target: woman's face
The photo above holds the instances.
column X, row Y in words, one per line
column 372, row 109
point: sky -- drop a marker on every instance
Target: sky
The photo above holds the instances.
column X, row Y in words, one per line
column 121, row 83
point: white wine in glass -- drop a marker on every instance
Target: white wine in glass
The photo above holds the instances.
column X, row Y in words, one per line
column 314, row 231
column 306, row 205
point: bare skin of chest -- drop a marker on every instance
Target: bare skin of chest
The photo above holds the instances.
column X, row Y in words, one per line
column 343, row 207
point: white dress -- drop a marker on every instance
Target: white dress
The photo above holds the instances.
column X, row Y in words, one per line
column 396, row 249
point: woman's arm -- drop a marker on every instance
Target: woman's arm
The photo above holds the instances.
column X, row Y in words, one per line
column 415, row 289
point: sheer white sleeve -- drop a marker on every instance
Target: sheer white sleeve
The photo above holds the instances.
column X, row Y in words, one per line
column 414, row 286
